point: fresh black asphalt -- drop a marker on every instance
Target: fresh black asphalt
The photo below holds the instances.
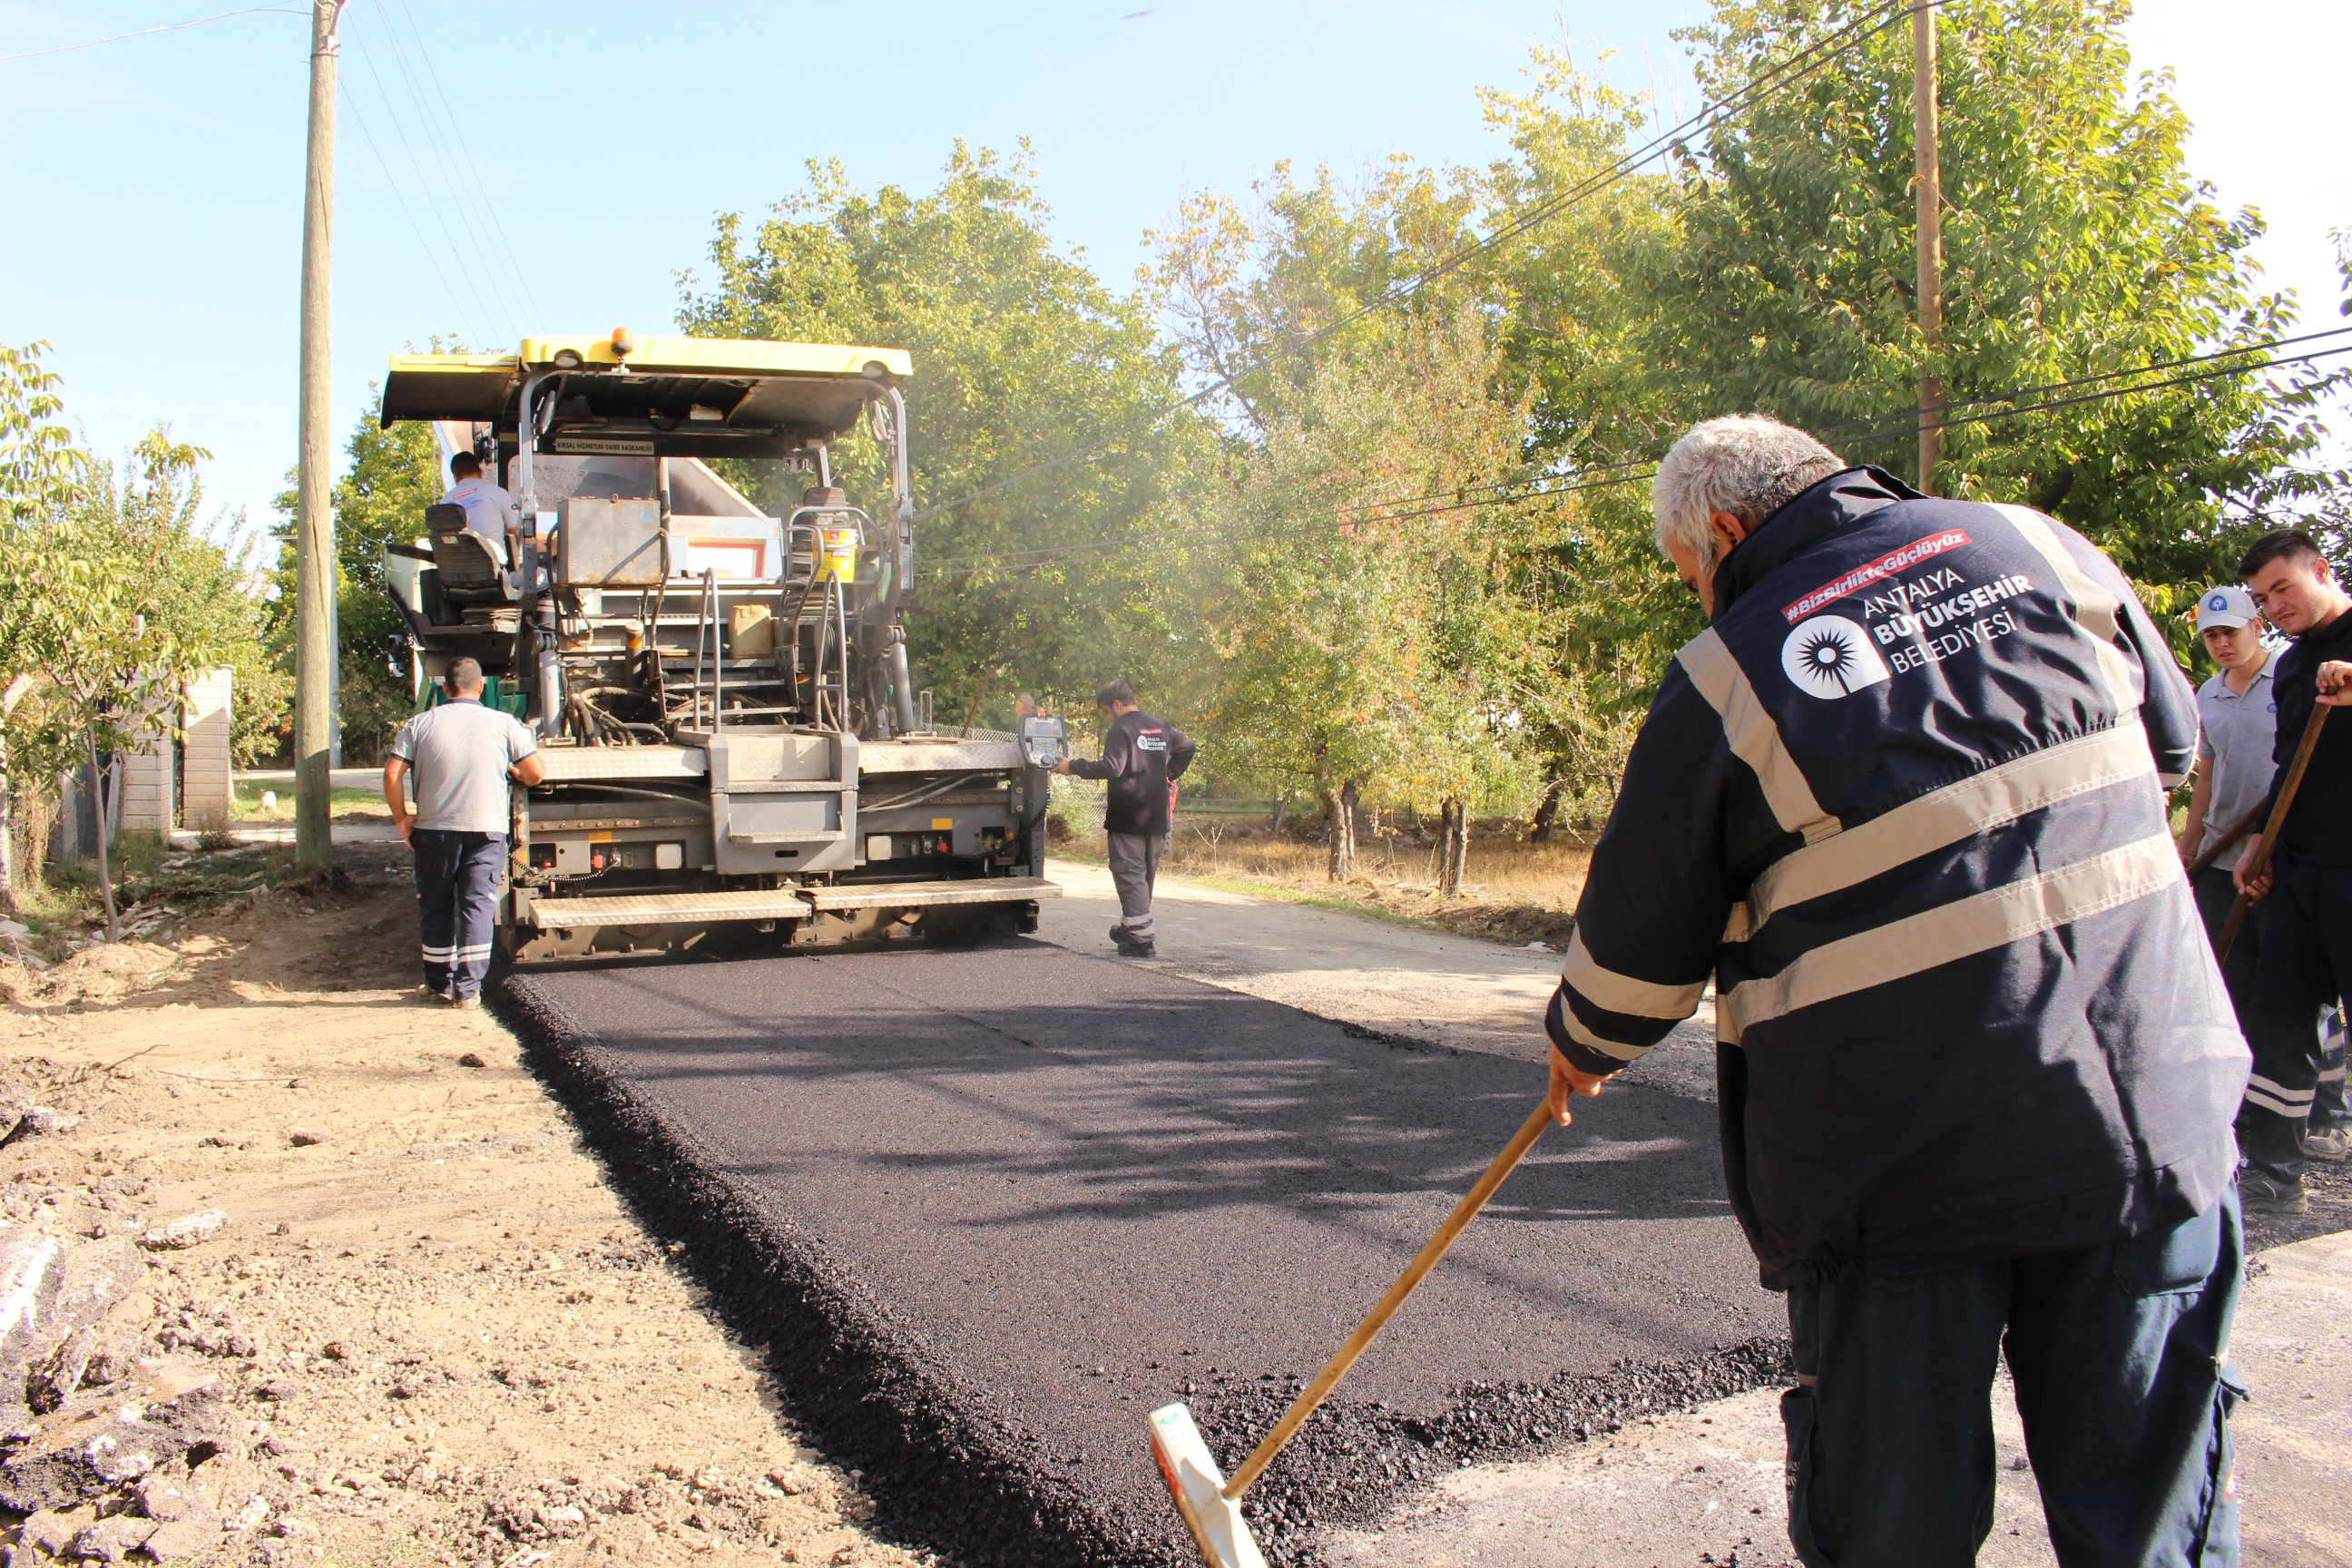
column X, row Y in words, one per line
column 987, row 1206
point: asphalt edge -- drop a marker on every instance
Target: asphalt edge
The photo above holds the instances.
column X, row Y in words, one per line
column 943, row 1481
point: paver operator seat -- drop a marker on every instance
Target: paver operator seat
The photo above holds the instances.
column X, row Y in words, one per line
column 470, row 571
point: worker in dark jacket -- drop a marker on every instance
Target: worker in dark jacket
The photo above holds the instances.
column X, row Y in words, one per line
column 2307, row 894
column 1142, row 758
column 1903, row 801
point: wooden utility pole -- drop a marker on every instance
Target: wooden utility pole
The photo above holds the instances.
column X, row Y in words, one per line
column 314, row 521
column 1928, row 182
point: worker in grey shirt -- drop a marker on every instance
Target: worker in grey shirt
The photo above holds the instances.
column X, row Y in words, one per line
column 2238, row 721
column 463, row 754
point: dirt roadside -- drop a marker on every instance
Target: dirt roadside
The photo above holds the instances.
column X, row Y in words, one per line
column 427, row 1331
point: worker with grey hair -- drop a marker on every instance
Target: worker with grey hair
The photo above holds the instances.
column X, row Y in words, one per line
column 462, row 753
column 1142, row 758
column 1903, row 803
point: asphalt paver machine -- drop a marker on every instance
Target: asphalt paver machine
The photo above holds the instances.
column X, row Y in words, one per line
column 720, row 687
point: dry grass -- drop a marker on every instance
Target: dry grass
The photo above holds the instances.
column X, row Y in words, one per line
column 1514, row 892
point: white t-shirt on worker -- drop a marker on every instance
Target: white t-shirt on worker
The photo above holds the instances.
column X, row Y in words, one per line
column 458, row 753
column 490, row 511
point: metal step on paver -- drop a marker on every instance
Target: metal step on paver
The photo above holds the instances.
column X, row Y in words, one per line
column 922, row 895
column 668, row 908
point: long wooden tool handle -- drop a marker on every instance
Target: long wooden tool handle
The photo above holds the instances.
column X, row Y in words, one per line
column 2228, row 841
column 2269, row 841
column 1378, row 1319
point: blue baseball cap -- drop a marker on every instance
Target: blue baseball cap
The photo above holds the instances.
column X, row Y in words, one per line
column 2227, row 606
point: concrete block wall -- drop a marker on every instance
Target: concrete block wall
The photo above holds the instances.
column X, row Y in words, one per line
column 205, row 768
column 148, row 791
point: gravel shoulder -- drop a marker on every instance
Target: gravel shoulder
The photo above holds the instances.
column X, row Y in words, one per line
column 427, row 1331
column 1384, row 975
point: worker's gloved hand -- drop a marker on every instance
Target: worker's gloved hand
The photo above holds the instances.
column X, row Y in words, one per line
column 1567, row 1083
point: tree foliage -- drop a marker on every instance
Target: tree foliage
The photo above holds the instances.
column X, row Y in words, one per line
column 392, row 477
column 1019, row 353
column 204, row 586
column 2076, row 244
column 117, row 592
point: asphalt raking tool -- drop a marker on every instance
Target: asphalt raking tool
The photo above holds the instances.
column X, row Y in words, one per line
column 1210, row 1506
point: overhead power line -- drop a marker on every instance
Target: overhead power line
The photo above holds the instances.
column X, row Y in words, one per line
column 432, row 255
column 485, row 313
column 521, row 273
column 1907, row 423
column 1801, row 64
column 168, row 28
column 1502, row 493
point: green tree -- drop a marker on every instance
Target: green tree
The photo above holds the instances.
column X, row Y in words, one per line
column 1020, row 354
column 205, row 586
column 392, row 477
column 1367, row 636
column 38, row 463
column 2076, row 244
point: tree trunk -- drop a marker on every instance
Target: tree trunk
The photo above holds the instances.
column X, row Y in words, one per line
column 1451, row 837
column 1341, row 862
column 1281, row 810
column 105, row 873
column 7, row 843
column 9, row 697
column 1547, row 815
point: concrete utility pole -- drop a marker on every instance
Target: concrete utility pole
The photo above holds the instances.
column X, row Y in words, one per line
column 314, row 520
column 1928, row 182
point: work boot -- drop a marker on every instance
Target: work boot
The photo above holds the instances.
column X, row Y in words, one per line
column 1119, row 933
column 464, row 1002
column 1137, row 949
column 2325, row 1144
column 2264, row 1192
column 429, row 993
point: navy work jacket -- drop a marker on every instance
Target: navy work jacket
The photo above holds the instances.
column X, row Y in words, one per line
column 1903, row 801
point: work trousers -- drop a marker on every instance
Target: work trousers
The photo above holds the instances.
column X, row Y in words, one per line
column 2305, row 970
column 2216, row 891
column 1134, row 867
column 2119, row 1355
column 457, row 877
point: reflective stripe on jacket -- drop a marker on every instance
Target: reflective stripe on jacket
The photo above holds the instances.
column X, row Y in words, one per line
column 1904, row 802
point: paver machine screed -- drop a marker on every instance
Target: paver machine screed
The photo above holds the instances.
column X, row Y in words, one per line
column 708, row 637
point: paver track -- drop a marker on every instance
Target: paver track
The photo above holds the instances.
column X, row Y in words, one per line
column 987, row 1206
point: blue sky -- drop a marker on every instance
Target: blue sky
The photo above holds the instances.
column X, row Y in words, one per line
column 153, row 185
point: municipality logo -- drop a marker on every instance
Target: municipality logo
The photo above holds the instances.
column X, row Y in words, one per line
column 2218, row 602
column 1829, row 655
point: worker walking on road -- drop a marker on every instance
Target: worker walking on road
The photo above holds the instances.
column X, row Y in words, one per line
column 1142, row 758
column 1903, row 802
column 463, row 754
column 2304, row 917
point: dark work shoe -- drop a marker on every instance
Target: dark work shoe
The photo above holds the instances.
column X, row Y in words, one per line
column 2262, row 1192
column 1137, row 949
column 1118, row 934
column 2324, row 1143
